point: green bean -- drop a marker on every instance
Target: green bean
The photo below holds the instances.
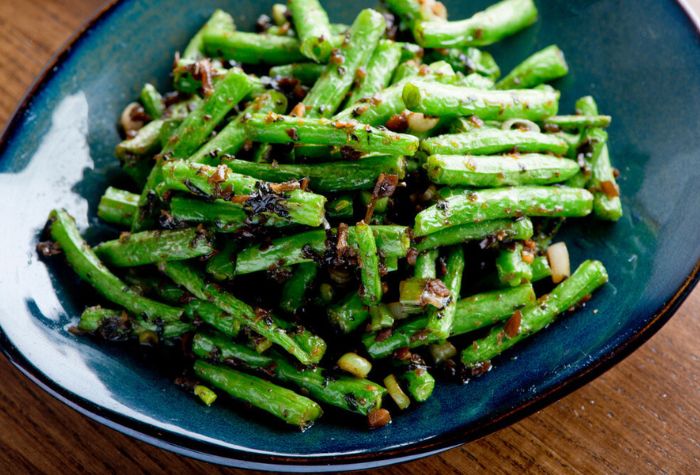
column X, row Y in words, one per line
column 505, row 18
column 385, row 104
column 368, row 260
column 340, row 207
column 417, row 293
column 117, row 206
column 606, row 200
column 306, row 73
column 329, row 91
column 403, row 71
column 213, row 316
column 463, row 125
column 348, row 393
column 499, row 203
column 314, row 30
column 297, row 286
column 274, row 128
column 578, row 121
column 150, row 247
column 472, row 313
column 199, row 124
column 223, row 216
column 180, row 110
column 163, row 288
column 392, row 241
column 269, row 328
column 419, row 383
column 232, row 137
column 540, row 269
column 512, row 268
column 219, row 20
column 445, row 100
column 116, row 325
column 467, row 61
column 588, row 277
column 378, row 72
column 295, row 206
column 499, row 170
column 543, row 66
column 412, row 11
column 152, row 101
column 194, row 131
column 326, row 177
column 89, row 268
column 380, row 318
column 251, row 48
column 410, row 52
column 440, row 321
column 425, row 265
column 223, row 265
column 487, row 141
column 135, row 154
column 287, row 405
column 497, row 229
column 593, row 140
column 349, row 314
column 146, row 142
column 474, row 81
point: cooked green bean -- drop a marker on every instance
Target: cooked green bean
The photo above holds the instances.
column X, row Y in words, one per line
column 232, row 137
column 497, row 229
column 445, row 100
column 189, row 278
column 472, row 313
column 274, row 128
column 368, row 261
column 483, row 205
column 152, row 101
column 588, row 277
column 467, row 61
column 251, row 48
column 378, row 72
column 287, row 405
column 512, row 268
column 348, row 393
column 440, row 321
column 325, row 177
column 329, row 91
column 495, row 171
column 505, row 18
column 314, row 30
column 150, row 247
column 306, row 73
column 487, row 141
column 194, row 131
column 578, row 121
column 87, row 265
column 543, row 66
column 305, row 247
column 296, row 287
column 118, row 206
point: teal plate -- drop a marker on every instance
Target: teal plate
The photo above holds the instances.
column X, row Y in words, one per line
column 639, row 58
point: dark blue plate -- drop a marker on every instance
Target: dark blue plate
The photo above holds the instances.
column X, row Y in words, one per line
column 640, row 58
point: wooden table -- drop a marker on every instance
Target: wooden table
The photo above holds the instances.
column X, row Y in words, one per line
column 642, row 416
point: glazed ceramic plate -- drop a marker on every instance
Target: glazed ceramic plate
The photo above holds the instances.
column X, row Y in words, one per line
column 639, row 58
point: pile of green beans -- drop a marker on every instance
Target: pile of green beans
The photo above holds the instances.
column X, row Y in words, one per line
column 377, row 211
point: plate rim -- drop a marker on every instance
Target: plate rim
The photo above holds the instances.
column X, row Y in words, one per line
column 207, row 452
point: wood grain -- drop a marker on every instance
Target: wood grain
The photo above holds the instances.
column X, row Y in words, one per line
column 643, row 416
